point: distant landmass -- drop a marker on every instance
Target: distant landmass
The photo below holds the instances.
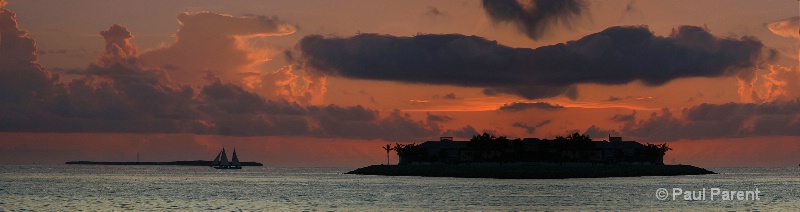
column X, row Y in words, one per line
column 173, row 163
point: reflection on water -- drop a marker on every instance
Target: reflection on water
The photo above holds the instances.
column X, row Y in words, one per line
column 73, row 187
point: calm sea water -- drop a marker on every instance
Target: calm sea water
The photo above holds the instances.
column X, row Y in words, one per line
column 157, row 188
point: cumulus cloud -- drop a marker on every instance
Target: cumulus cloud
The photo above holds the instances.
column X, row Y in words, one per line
column 118, row 45
column 521, row 106
column 781, row 83
column 115, row 94
column 616, row 55
column 216, row 43
column 22, row 78
column 534, row 17
column 120, row 93
column 789, row 27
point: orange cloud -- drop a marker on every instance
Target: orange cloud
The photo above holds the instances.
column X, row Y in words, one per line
column 789, row 27
column 118, row 45
column 781, row 83
column 217, row 43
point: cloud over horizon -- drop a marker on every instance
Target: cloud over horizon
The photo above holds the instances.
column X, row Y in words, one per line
column 614, row 56
column 22, row 78
column 206, row 82
column 119, row 93
column 730, row 120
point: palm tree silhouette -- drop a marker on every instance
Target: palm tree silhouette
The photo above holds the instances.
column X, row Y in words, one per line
column 388, row 149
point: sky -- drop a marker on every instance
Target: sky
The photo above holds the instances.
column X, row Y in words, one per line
column 328, row 83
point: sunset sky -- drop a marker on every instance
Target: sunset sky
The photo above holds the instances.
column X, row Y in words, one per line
column 327, row 83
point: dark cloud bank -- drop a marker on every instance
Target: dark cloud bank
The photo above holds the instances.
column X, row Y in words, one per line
column 728, row 120
column 616, row 55
column 708, row 121
column 119, row 94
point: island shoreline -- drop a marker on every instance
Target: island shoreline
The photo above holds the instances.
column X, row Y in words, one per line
column 531, row 171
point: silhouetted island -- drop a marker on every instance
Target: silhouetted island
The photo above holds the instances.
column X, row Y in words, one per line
column 489, row 156
column 510, row 171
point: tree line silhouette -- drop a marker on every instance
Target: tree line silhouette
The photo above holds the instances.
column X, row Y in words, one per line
column 487, row 147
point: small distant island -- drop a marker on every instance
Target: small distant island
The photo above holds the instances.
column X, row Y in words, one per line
column 490, row 156
column 219, row 162
column 173, row 163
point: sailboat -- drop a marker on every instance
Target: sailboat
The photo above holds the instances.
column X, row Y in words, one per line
column 221, row 161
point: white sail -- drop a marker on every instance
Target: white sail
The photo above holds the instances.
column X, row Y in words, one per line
column 234, row 159
column 224, row 160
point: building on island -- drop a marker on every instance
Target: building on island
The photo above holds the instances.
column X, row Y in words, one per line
column 572, row 149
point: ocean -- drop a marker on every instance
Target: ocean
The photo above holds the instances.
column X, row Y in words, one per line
column 193, row 188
